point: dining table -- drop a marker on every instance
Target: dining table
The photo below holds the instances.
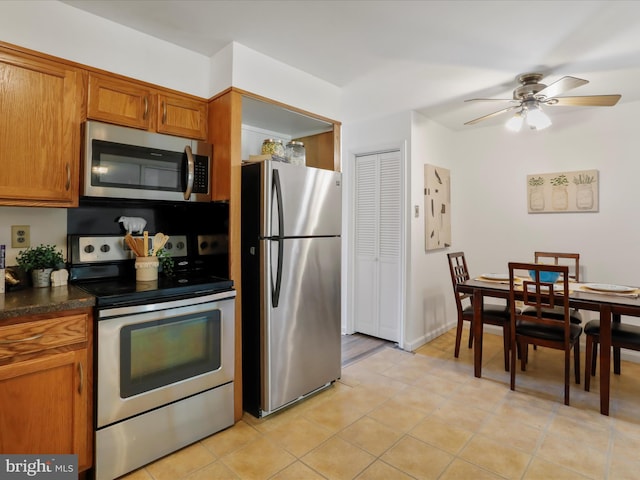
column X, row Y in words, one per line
column 610, row 301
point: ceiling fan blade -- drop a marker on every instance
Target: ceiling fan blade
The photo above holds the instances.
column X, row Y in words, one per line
column 491, row 100
column 588, row 101
column 476, row 120
column 561, row 86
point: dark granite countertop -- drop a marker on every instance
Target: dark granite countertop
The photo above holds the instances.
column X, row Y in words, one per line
column 31, row 301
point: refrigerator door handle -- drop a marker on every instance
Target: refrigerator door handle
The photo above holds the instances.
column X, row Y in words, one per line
column 277, row 189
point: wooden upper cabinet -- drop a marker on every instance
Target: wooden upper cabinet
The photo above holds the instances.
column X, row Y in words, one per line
column 127, row 103
column 122, row 103
column 182, row 116
column 40, row 116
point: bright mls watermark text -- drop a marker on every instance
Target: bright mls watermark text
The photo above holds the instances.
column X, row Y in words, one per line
column 40, row 467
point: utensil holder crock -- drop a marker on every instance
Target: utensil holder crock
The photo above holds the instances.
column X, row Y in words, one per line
column 146, row 269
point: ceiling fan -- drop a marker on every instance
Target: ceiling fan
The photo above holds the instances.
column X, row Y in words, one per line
column 531, row 95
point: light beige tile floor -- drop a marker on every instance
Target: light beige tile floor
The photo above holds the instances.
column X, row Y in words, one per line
column 398, row 415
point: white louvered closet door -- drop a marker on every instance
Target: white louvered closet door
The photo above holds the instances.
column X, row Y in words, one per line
column 378, row 242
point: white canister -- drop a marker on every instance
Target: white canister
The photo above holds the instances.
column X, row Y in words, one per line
column 147, row 269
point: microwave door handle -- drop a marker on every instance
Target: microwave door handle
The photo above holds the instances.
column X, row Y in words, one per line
column 190, row 170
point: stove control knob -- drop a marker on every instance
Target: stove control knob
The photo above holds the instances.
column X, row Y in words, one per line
column 168, row 246
column 105, row 248
column 180, row 245
column 89, row 249
column 204, row 245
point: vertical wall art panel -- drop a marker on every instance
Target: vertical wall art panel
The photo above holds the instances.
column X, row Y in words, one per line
column 437, row 206
column 563, row 192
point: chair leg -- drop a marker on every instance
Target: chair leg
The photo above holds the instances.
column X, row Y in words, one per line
column 594, row 356
column 512, row 369
column 616, row 350
column 523, row 356
column 506, row 337
column 567, row 375
column 471, row 334
column 576, row 359
column 588, row 352
column 456, row 351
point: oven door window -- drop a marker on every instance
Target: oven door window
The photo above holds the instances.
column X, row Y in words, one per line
column 162, row 352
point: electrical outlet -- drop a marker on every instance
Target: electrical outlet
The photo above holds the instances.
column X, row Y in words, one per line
column 20, row 236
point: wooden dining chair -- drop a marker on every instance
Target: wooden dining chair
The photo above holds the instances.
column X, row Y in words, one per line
column 569, row 259
column 538, row 328
column 623, row 335
column 572, row 260
column 491, row 314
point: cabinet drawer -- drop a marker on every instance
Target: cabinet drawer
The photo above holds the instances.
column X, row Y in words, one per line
column 41, row 335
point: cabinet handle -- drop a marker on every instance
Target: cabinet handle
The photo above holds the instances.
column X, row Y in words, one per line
column 81, row 373
column 146, row 108
column 35, row 337
column 164, row 113
column 68, row 184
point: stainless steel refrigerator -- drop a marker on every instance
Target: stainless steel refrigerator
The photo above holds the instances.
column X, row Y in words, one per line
column 291, row 226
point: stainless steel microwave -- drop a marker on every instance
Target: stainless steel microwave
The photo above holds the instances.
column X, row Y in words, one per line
column 122, row 162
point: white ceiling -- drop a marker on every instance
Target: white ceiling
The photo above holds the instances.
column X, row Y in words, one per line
column 391, row 56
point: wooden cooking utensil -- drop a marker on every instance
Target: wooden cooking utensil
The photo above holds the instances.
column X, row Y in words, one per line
column 156, row 242
column 161, row 242
column 146, row 243
column 131, row 243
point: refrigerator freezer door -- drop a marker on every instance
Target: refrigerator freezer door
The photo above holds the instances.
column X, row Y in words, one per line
column 301, row 336
column 301, row 201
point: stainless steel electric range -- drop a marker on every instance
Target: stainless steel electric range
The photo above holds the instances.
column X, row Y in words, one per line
column 164, row 351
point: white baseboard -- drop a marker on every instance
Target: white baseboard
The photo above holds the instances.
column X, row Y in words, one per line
column 418, row 342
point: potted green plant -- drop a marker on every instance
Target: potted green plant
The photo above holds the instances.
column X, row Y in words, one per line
column 40, row 262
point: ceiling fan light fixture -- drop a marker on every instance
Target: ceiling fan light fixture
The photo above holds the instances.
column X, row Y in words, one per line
column 514, row 124
column 537, row 119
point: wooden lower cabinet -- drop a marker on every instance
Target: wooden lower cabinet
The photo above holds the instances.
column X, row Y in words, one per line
column 46, row 400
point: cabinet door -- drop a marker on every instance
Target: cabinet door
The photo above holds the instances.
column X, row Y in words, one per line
column 182, row 116
column 116, row 101
column 45, row 405
column 40, row 114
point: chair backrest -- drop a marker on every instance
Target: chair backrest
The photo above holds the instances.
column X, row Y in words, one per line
column 540, row 296
column 570, row 259
column 459, row 274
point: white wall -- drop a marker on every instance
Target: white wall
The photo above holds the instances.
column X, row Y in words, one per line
column 48, row 226
column 430, row 313
column 58, row 29
column 257, row 73
column 490, row 222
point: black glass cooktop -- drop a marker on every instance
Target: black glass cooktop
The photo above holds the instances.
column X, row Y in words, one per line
column 124, row 291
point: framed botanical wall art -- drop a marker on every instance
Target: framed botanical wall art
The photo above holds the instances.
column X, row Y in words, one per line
column 437, row 206
column 563, row 192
